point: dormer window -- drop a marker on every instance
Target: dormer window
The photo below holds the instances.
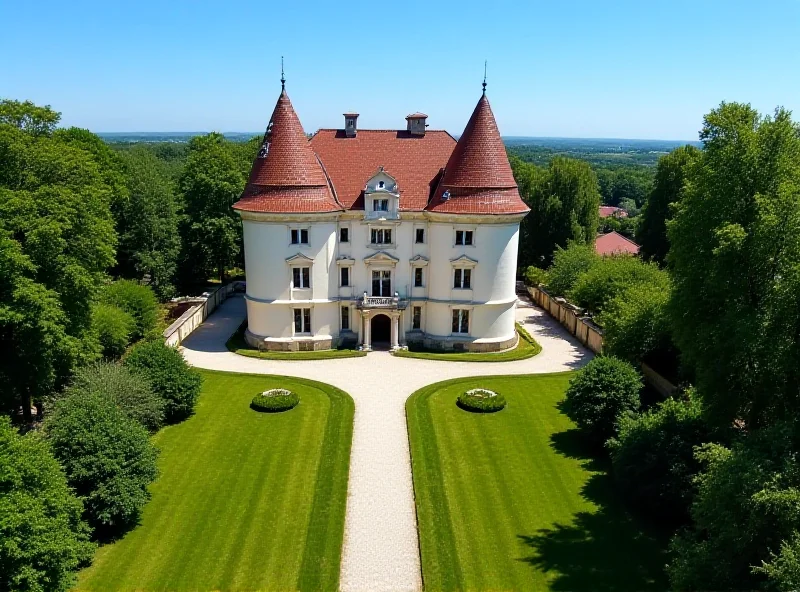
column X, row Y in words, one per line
column 350, row 124
column 381, row 184
column 380, row 205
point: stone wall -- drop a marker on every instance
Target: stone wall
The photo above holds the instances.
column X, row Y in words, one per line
column 193, row 317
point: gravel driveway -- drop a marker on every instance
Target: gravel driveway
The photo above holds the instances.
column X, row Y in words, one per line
column 381, row 550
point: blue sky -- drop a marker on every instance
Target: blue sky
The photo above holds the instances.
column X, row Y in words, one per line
column 645, row 69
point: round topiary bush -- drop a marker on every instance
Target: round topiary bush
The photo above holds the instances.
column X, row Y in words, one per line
column 481, row 400
column 275, row 400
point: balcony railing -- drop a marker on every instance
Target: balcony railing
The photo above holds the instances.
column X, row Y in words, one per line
column 394, row 302
column 381, row 215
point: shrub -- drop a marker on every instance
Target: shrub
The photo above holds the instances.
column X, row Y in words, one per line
column 603, row 391
column 481, row 401
column 113, row 327
column 129, row 390
column 138, row 301
column 169, row 375
column 636, row 324
column 275, row 400
column 568, row 265
column 611, row 276
column 535, row 276
column 653, row 458
column 43, row 540
column 107, row 456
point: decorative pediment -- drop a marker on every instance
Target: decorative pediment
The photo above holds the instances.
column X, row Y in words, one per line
column 299, row 258
column 381, row 258
column 418, row 260
column 345, row 260
column 463, row 261
column 381, row 182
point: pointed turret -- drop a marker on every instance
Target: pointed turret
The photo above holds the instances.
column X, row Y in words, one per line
column 286, row 175
column 478, row 177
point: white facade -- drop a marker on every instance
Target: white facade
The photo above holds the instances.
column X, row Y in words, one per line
column 443, row 280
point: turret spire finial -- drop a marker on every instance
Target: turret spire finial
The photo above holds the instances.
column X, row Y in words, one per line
column 484, row 77
column 283, row 78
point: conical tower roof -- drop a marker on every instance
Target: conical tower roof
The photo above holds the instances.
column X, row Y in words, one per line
column 286, row 175
column 478, row 177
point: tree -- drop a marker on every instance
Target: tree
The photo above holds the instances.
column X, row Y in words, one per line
column 735, row 248
column 28, row 117
column 169, row 375
column 138, row 301
column 43, row 540
column 211, row 183
column 107, row 456
column 564, row 202
column 148, row 224
column 130, row 391
column 603, row 391
column 671, row 174
column 113, row 327
column 568, row 265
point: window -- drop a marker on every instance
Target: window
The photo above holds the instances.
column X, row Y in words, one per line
column 417, row 277
column 302, row 320
column 299, row 236
column 344, row 235
column 345, row 318
column 351, row 122
column 460, row 321
column 381, row 236
column 381, row 282
column 420, row 235
column 345, row 276
column 381, row 184
column 380, row 205
column 464, row 237
column 416, row 317
column 462, row 278
column 301, row 277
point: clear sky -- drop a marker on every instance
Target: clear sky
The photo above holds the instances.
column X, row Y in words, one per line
column 627, row 69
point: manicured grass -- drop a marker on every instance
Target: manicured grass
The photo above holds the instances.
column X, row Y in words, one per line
column 245, row 500
column 510, row 500
column 238, row 345
column 527, row 347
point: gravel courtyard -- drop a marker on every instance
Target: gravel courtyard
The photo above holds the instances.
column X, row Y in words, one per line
column 381, row 550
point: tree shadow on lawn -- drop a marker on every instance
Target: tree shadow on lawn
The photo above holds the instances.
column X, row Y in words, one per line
column 602, row 550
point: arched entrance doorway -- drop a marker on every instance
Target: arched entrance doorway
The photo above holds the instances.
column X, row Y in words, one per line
column 381, row 331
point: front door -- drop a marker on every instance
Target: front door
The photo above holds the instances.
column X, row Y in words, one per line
column 381, row 283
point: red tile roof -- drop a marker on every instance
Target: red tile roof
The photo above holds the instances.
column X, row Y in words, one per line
column 606, row 211
column 478, row 177
column 414, row 161
column 286, row 175
column 614, row 243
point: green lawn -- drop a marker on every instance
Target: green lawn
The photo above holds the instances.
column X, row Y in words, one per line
column 238, row 345
column 245, row 500
column 510, row 501
column 527, row 347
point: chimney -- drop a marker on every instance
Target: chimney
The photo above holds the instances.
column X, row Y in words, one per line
column 350, row 124
column 416, row 123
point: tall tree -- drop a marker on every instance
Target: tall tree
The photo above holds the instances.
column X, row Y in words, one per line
column 671, row 173
column 735, row 257
column 211, row 182
column 564, row 202
column 28, row 117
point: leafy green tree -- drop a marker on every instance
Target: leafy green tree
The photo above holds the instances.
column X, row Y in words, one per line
column 735, row 248
column 211, row 183
column 148, row 223
column 129, row 390
column 783, row 568
column 564, row 202
column 43, row 540
column 653, row 458
column 600, row 395
column 169, row 375
column 35, row 120
column 113, row 327
column 568, row 265
column 671, row 174
column 107, row 456
column 138, row 301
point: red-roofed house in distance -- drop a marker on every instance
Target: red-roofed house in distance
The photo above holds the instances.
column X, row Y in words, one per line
column 612, row 211
column 394, row 236
column 614, row 243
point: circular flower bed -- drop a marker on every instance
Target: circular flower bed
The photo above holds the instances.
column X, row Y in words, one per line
column 275, row 400
column 481, row 400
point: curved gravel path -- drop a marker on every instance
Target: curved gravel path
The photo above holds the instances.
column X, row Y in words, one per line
column 381, row 550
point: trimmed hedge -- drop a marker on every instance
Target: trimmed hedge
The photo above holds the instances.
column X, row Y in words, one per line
column 275, row 400
column 481, row 401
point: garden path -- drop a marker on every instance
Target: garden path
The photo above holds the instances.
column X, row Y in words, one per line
column 381, row 550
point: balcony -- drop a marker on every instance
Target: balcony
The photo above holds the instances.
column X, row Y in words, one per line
column 387, row 302
column 376, row 215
